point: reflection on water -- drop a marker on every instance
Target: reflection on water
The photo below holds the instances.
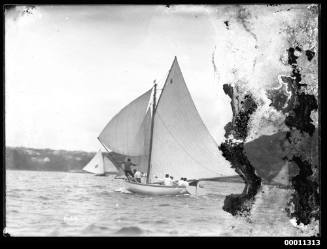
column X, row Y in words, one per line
column 61, row 204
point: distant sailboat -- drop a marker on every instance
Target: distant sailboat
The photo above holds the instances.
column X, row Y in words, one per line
column 168, row 136
column 100, row 165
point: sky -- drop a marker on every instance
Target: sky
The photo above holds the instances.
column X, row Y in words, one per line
column 70, row 69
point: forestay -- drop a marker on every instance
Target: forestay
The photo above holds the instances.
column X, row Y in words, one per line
column 96, row 164
column 182, row 146
column 125, row 133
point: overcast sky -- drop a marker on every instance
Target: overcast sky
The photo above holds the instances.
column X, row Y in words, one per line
column 69, row 69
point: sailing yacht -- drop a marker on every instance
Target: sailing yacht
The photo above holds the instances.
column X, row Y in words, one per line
column 100, row 165
column 166, row 136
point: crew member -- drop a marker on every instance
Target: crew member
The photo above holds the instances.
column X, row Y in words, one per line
column 185, row 182
column 128, row 168
column 168, row 181
column 181, row 182
column 137, row 175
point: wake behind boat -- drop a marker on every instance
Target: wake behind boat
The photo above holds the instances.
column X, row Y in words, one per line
column 167, row 136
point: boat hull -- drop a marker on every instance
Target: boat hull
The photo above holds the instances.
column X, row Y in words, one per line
column 101, row 174
column 106, row 174
column 154, row 189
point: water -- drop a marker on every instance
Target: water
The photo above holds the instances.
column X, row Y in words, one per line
column 72, row 204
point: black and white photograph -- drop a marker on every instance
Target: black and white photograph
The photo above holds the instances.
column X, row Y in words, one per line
column 182, row 120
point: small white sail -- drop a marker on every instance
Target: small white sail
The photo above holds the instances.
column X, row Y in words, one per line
column 182, row 146
column 125, row 132
column 96, row 164
column 109, row 167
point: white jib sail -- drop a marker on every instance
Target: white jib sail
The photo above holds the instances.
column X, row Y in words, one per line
column 182, row 146
column 109, row 167
column 95, row 166
column 124, row 133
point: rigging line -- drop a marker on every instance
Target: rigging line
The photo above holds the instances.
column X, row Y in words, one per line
column 182, row 145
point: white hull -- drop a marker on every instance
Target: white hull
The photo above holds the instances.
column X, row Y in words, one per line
column 154, row 189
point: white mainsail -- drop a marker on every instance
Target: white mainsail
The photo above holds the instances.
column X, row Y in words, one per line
column 96, row 164
column 182, row 146
column 125, row 133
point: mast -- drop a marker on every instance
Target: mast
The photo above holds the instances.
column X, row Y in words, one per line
column 152, row 120
column 151, row 134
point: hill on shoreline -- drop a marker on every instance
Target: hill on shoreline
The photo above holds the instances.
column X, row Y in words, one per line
column 21, row 158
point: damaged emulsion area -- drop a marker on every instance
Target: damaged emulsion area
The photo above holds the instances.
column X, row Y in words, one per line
column 304, row 148
column 234, row 152
column 305, row 200
column 297, row 147
column 302, row 140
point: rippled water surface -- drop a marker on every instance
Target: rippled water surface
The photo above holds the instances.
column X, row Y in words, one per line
column 73, row 204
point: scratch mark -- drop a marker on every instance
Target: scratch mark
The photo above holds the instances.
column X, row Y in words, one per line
column 243, row 16
column 213, row 62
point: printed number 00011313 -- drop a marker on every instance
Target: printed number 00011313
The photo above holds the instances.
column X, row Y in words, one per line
column 302, row 242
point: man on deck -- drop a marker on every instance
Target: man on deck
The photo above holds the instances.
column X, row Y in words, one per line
column 137, row 176
column 168, row 181
column 128, row 168
column 181, row 182
column 185, row 182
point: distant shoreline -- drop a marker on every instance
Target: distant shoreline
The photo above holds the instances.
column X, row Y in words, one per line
column 37, row 170
column 40, row 160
